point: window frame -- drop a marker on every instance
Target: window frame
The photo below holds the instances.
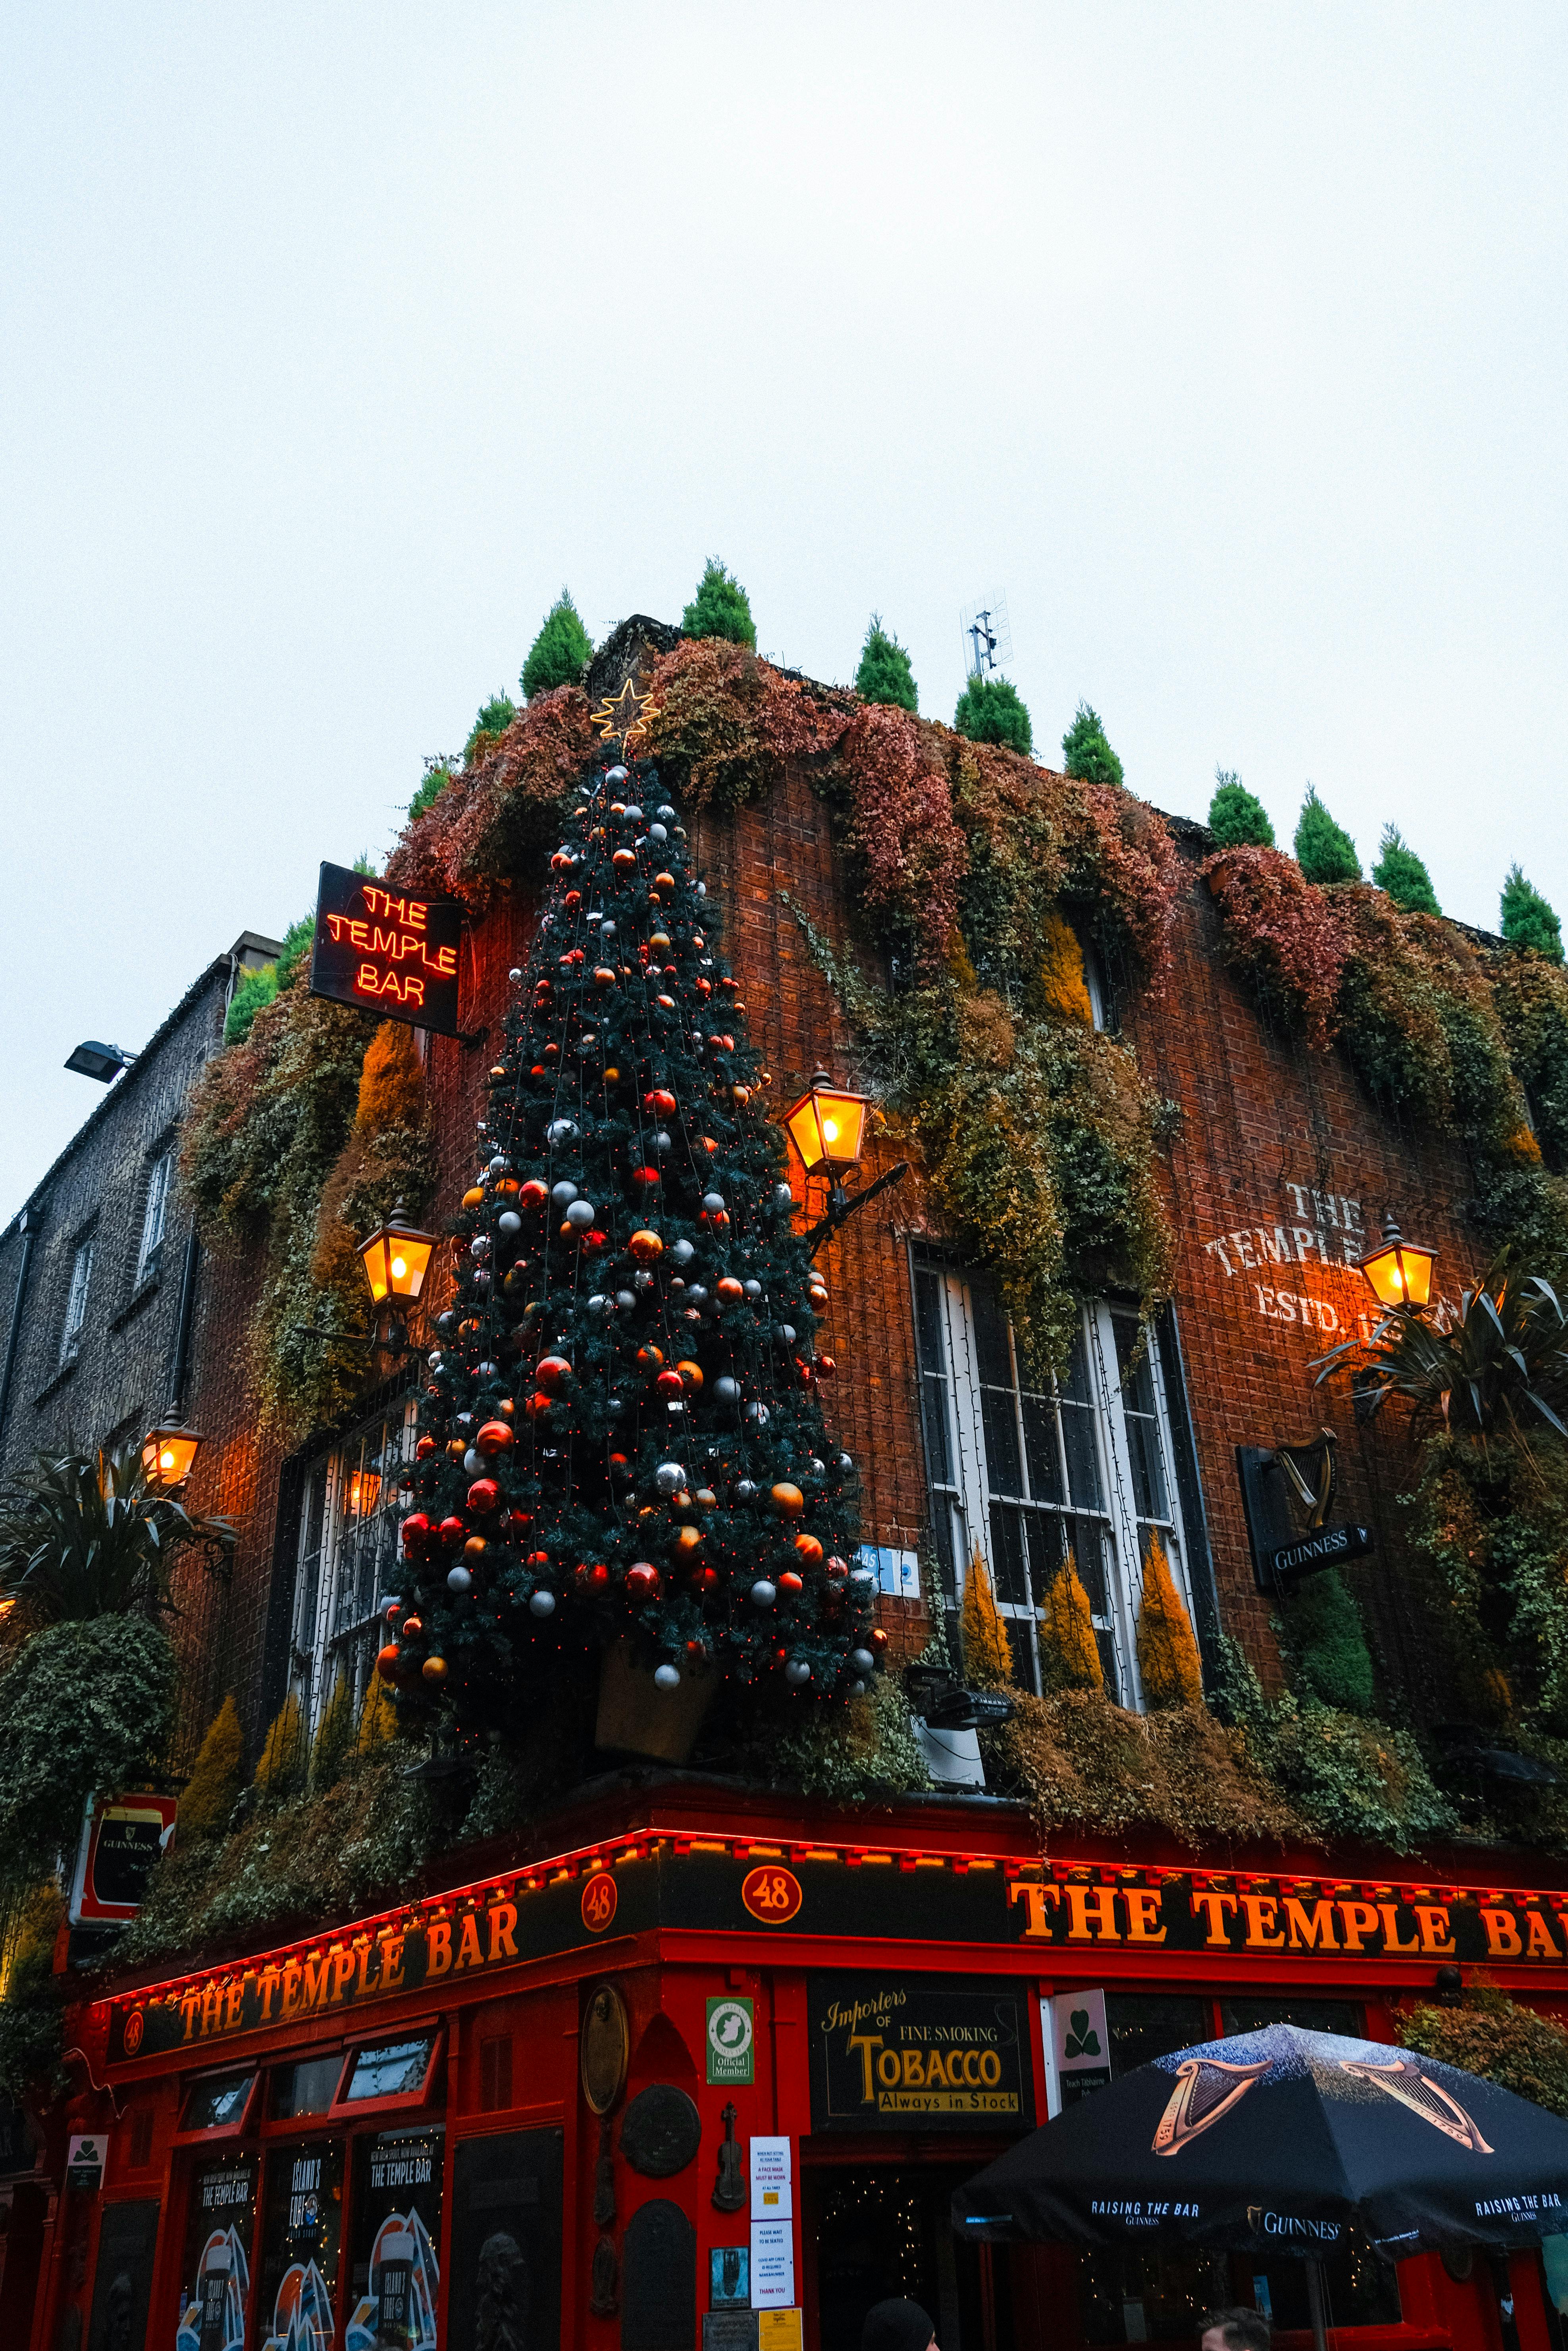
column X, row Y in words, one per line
column 319, row 1640
column 963, row 1504
column 83, row 1252
column 156, row 1194
column 217, row 2134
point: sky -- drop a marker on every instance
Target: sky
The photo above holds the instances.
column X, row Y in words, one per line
column 1227, row 343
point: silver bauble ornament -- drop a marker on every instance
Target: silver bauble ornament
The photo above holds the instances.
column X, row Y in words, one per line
column 458, row 1579
column 763, row 1592
column 542, row 1603
column 666, row 1677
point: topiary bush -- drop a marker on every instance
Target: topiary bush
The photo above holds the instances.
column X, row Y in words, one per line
column 257, row 989
column 1236, row 819
column 1326, row 1643
column 1069, row 1652
column 557, row 653
column 1168, row 1663
column 1085, row 751
column 437, row 776
column 1324, row 850
column 1526, row 919
column 299, row 939
column 211, row 1792
column 884, row 674
column 990, row 711
column 495, row 716
column 988, row 1652
column 721, row 608
column 1402, row 874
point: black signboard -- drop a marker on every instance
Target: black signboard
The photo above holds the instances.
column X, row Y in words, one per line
column 385, row 951
column 506, row 2241
column 912, row 2052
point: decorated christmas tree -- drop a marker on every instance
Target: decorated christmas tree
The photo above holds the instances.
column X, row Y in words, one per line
column 622, row 1443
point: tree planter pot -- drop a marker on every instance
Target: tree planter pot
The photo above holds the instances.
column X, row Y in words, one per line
column 637, row 1718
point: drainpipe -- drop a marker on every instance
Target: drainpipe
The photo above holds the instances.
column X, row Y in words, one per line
column 29, row 1234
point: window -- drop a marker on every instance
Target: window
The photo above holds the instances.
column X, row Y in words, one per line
column 349, row 1556
column 155, row 1217
column 308, row 2087
column 75, row 1302
column 218, row 2102
column 394, row 2069
column 1028, row 1475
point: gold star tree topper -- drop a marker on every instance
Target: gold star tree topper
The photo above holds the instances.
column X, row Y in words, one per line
column 627, row 716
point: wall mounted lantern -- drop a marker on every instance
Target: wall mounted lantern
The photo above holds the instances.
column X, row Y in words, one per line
column 1398, row 1271
column 396, row 1258
column 827, row 1127
column 168, row 1452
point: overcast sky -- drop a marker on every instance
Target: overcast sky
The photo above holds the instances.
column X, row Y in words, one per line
column 1228, row 342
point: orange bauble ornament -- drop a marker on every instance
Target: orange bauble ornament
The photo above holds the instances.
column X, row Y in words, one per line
column 787, row 1501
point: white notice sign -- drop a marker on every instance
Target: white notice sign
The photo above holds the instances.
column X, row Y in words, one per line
column 770, row 2180
column 772, row 2264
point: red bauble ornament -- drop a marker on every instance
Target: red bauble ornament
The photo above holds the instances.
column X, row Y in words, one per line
column 642, row 1581
column 730, row 1291
column 790, row 1582
column 484, row 1494
column 452, row 1531
column 494, row 1438
column 646, row 1176
column 810, row 1549
column 826, row 1367
column 412, row 1628
column 533, row 1195
column 670, row 1384
column 648, row 1360
column 388, row 1661
column 645, row 1247
column 879, row 1640
column 424, row 1448
column 837, row 1568
column 536, row 1560
column 415, row 1532
column 661, row 1099
column 704, row 1578
column 552, row 1373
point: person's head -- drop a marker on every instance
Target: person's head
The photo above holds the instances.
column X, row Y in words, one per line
column 1241, row 2328
column 897, row 2325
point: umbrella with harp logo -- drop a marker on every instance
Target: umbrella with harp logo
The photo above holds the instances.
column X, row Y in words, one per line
column 1279, row 2141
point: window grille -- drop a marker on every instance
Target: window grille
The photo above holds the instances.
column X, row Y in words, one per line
column 1027, row 1473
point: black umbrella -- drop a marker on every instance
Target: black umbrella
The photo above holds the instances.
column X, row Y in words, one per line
column 1280, row 2141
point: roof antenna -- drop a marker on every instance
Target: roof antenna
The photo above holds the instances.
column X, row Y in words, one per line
column 987, row 640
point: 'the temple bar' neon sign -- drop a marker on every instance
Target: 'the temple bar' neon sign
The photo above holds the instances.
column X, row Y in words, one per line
column 390, row 953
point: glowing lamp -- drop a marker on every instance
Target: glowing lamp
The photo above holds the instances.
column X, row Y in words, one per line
column 1399, row 1271
column 396, row 1258
column 827, row 1127
column 167, row 1453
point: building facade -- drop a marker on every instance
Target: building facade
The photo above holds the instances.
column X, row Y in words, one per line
column 542, row 2090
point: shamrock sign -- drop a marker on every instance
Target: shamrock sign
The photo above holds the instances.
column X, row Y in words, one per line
column 1083, row 2041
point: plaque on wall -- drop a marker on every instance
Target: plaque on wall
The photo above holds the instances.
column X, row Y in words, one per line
column 729, row 2330
column 602, row 2052
column 661, row 2131
column 659, row 2279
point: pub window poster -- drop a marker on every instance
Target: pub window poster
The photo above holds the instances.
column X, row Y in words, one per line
column 215, row 2274
column 396, row 2277
column 909, row 2052
column 300, row 2237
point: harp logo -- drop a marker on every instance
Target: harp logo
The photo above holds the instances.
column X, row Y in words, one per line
column 1206, row 2090
column 1421, row 2096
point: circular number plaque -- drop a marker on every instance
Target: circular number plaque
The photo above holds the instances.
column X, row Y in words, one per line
column 599, row 1896
column 771, row 1894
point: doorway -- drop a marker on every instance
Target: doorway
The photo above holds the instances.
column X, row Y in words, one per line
column 876, row 2229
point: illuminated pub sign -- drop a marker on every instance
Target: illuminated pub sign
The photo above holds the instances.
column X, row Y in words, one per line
column 380, row 948
column 1066, row 1916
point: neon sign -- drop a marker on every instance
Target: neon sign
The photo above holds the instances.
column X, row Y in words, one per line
column 386, row 952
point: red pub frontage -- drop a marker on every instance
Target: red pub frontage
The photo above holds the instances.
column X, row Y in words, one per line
column 695, row 2060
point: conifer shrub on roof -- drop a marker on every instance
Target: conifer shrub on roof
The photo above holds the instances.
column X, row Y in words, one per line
column 1527, row 921
column 991, row 711
column 1085, row 751
column 885, row 674
column 557, row 653
column 1404, row 875
column 1237, row 818
column 495, row 716
column 1324, row 850
column 721, row 608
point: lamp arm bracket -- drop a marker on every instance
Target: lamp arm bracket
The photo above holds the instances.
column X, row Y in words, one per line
column 848, row 1203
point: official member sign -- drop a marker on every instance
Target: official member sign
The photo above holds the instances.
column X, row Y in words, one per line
column 909, row 2052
